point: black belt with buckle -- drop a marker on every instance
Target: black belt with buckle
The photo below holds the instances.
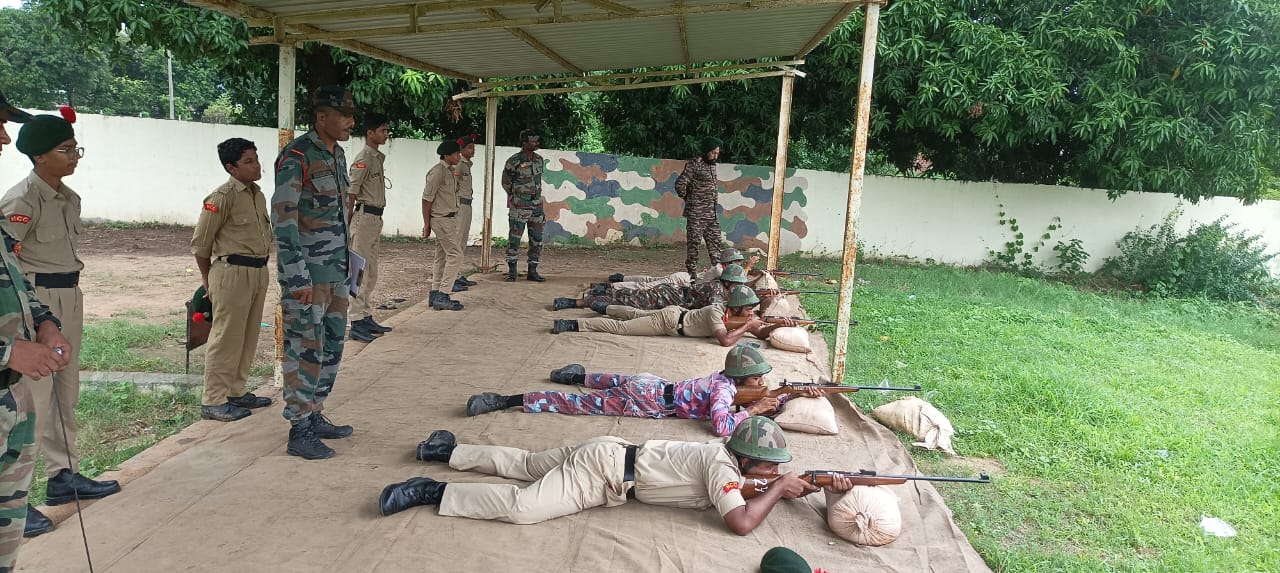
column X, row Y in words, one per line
column 464, row 201
column 449, row 216
column 58, row 280
column 370, row 209
column 680, row 325
column 629, row 464
column 243, row 261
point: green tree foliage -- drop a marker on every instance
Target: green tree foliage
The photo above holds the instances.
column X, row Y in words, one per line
column 1172, row 96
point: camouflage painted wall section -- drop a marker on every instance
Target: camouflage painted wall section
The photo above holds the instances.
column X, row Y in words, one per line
column 601, row 198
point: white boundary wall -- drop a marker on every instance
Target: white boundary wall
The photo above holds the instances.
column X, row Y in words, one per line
column 157, row 170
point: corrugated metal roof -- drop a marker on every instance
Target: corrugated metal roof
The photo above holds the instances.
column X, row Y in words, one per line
column 486, row 39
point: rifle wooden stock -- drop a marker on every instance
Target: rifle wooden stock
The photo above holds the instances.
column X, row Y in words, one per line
column 749, row 394
column 756, row 484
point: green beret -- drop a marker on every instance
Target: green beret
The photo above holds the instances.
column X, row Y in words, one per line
column 448, row 148
column 783, row 560
column 709, row 143
column 43, row 133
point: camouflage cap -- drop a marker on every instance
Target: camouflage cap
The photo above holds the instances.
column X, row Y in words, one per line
column 742, row 295
column 730, row 255
column 759, row 438
column 734, row 274
column 10, row 113
column 336, row 97
column 529, row 135
column 743, row 361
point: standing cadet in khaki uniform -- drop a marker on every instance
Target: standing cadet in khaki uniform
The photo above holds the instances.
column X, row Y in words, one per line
column 368, row 198
column 43, row 216
column 232, row 243
column 466, row 192
column 606, row 472
column 440, row 214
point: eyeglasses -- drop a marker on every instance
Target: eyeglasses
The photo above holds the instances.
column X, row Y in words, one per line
column 77, row 151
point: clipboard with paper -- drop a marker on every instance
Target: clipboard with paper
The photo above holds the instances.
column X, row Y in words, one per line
column 355, row 273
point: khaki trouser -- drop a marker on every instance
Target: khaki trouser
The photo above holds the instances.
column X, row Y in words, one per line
column 68, row 305
column 238, row 294
column 629, row 321
column 643, row 281
column 565, row 481
column 464, row 230
column 448, row 261
column 366, row 230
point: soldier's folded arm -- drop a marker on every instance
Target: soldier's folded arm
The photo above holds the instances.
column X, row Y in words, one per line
column 284, row 219
column 682, row 182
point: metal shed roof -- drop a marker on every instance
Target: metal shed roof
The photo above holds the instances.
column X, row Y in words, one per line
column 484, row 39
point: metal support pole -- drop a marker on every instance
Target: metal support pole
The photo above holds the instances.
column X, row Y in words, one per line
column 170, row 54
column 286, row 123
column 856, row 175
column 780, row 170
column 490, row 159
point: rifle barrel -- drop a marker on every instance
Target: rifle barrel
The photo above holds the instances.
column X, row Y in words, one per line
column 915, row 388
column 982, row 477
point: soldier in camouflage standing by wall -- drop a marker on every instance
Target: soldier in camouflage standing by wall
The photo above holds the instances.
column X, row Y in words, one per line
column 697, row 186
column 522, row 180
column 21, row 314
column 308, row 214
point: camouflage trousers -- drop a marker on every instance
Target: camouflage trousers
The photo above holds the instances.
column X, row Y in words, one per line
column 638, row 396
column 701, row 227
column 518, row 219
column 314, row 336
column 654, row 298
column 17, row 463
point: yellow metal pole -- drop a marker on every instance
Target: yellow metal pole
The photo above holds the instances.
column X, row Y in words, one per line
column 490, row 159
column 856, row 175
column 285, row 121
column 780, row 170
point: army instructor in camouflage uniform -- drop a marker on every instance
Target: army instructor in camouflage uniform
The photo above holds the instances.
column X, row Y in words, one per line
column 22, row 319
column 308, row 214
column 368, row 198
column 522, row 180
column 697, row 186
column 43, row 214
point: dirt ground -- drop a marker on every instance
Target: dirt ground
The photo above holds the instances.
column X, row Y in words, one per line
column 146, row 274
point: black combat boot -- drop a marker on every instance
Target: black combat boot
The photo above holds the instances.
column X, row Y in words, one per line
column 37, row 523
column 438, row 447
column 358, row 333
column 599, row 289
column 564, row 326
column 304, row 443
column 600, row 306
column 250, row 401
column 227, row 412
column 486, row 402
column 571, row 375
column 66, row 486
column 466, row 281
column 615, row 278
column 511, row 273
column 458, row 285
column 564, row 303
column 374, row 327
column 533, row 274
column 398, row 497
column 324, row 429
column 441, row 301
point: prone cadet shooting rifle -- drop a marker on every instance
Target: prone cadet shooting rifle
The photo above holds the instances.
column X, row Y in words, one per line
column 756, row 484
column 788, row 292
column 736, row 322
column 749, row 394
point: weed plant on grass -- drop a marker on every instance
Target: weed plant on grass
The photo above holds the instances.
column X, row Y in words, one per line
column 1111, row 423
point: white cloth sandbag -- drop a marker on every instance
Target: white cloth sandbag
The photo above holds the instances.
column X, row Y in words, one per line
column 764, row 280
column 791, row 339
column 865, row 515
column 920, row 419
column 775, row 306
column 809, row 415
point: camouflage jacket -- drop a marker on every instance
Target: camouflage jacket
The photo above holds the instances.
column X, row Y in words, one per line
column 308, row 214
column 697, row 185
column 522, row 180
column 20, row 311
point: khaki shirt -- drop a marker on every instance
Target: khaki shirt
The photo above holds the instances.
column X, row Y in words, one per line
column 442, row 190
column 691, row 475
column 466, row 190
column 705, row 321
column 234, row 221
column 46, row 222
column 367, row 179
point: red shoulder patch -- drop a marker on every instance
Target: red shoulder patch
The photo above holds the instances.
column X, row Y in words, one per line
column 361, row 165
column 730, row 486
column 210, row 207
column 17, row 249
column 16, row 218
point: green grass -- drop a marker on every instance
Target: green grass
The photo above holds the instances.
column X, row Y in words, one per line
column 119, row 421
column 115, row 345
column 1111, row 422
column 136, row 225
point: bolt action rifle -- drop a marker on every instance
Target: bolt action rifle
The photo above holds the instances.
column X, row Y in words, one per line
column 736, row 322
column 788, row 292
column 785, row 273
column 756, row 484
column 749, row 394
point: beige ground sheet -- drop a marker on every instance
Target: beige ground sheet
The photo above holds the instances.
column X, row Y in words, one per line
column 232, row 500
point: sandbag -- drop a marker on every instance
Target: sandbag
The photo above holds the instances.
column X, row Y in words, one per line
column 809, row 415
column 791, row 339
column 775, row 306
column 865, row 515
column 764, row 280
column 920, row 419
